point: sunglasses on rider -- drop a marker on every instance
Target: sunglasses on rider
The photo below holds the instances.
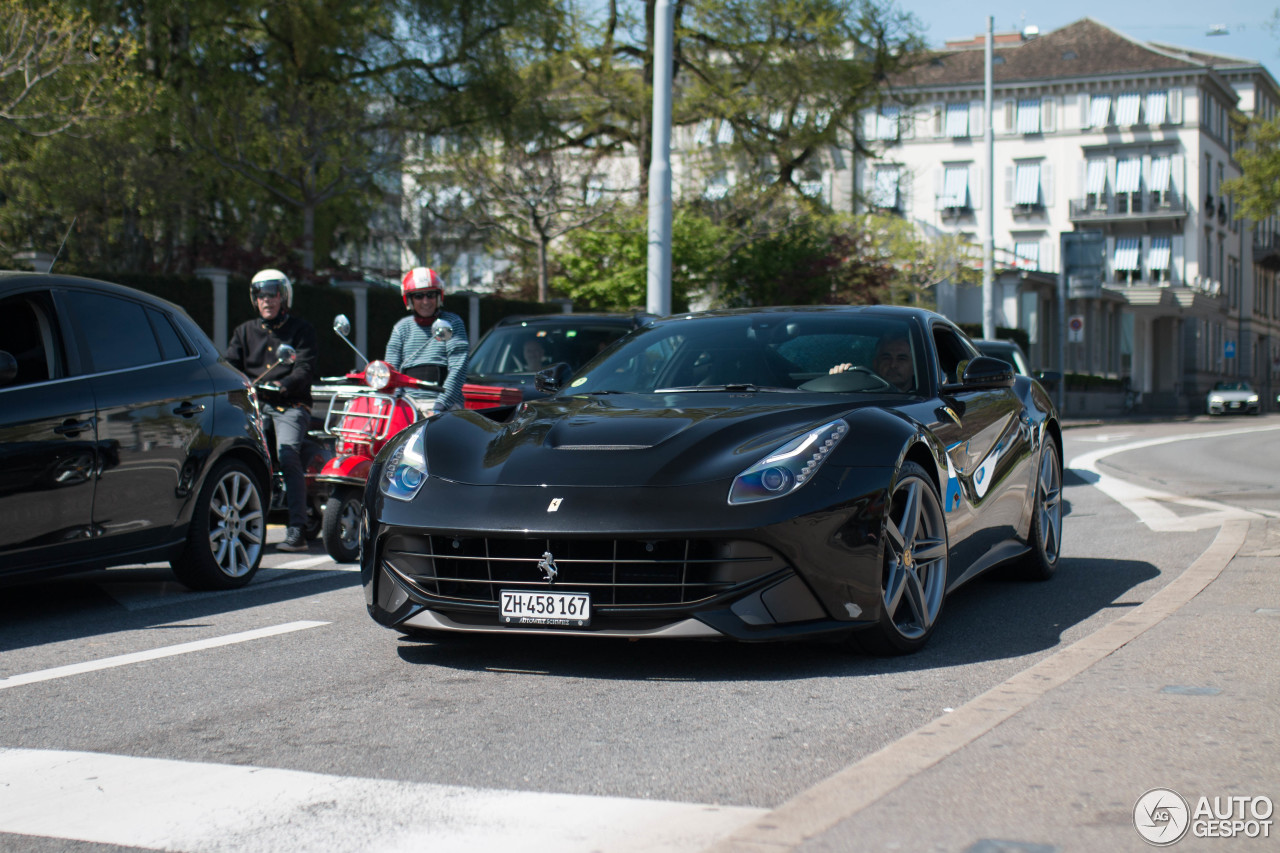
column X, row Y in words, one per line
column 265, row 288
column 423, row 294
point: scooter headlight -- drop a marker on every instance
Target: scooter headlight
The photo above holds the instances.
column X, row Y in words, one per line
column 377, row 375
column 789, row 467
column 406, row 470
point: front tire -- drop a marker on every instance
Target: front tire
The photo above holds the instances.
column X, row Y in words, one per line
column 340, row 530
column 914, row 575
column 227, row 531
column 1046, row 518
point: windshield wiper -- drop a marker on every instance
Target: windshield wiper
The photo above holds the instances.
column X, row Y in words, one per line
column 733, row 386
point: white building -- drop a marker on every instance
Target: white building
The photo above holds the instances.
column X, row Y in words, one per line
column 1093, row 131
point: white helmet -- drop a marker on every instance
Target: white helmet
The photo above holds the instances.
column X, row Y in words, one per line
column 271, row 281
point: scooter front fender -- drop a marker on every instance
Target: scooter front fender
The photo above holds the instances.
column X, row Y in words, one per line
column 346, row 469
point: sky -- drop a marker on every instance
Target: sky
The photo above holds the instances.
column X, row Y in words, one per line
column 1250, row 32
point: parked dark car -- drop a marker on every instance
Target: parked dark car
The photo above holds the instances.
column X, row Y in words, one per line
column 710, row 476
column 518, row 347
column 124, row 438
column 1010, row 352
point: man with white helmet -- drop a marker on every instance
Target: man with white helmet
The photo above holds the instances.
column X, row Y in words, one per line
column 284, row 388
column 416, row 350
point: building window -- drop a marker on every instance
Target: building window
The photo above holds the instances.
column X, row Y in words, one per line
column 1026, row 255
column 884, row 190
column 717, row 187
column 957, row 120
column 1157, row 106
column 1100, row 111
column 724, row 136
column 1128, row 108
column 1159, row 257
column 955, row 188
column 1128, row 184
column 1161, row 170
column 1026, row 188
column 1095, row 185
column 1126, row 264
column 883, row 124
column 1029, row 115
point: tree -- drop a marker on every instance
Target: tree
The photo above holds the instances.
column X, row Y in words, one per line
column 1257, row 190
column 778, row 81
column 58, row 70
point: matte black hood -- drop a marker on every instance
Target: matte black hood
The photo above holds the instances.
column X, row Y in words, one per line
column 623, row 440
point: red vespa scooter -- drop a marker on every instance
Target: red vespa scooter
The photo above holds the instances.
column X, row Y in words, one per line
column 362, row 417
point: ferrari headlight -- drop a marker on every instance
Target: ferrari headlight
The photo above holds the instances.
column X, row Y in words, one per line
column 377, row 375
column 406, row 470
column 788, row 467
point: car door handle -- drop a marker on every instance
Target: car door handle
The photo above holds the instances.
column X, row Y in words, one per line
column 186, row 410
column 72, row 427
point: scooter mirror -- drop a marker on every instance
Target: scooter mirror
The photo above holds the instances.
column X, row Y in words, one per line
column 442, row 331
column 342, row 325
column 286, row 354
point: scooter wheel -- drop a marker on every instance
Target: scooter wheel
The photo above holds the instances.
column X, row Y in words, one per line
column 340, row 530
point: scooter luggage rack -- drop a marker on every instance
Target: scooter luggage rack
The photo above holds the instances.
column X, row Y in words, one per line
column 369, row 410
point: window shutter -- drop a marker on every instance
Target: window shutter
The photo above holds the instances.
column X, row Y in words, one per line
column 1008, row 186
column 1047, row 115
column 940, row 174
column 1175, row 262
column 1175, row 106
column 976, row 128
column 975, row 186
column 904, row 190
column 1046, row 183
column 1084, row 110
column 939, row 111
column 1177, row 171
column 1010, row 116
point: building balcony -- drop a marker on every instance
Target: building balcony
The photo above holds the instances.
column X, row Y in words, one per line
column 1266, row 249
column 1128, row 207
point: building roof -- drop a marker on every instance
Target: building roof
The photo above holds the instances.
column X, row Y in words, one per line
column 1085, row 48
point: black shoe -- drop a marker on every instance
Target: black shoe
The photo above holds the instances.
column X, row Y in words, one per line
column 293, row 540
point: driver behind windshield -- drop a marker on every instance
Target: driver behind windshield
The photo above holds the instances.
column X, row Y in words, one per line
column 893, row 361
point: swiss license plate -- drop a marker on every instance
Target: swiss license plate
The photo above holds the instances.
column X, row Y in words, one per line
column 520, row 607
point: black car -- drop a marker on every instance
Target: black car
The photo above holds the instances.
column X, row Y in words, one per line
column 741, row 475
column 124, row 438
column 516, row 348
column 1012, row 353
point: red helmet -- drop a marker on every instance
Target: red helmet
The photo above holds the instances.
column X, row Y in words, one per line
column 419, row 278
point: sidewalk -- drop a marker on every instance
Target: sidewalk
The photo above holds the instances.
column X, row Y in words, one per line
column 1181, row 693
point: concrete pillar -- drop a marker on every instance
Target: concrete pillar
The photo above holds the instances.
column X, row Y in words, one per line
column 218, row 276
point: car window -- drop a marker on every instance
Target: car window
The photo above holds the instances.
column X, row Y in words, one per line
column 171, row 345
column 116, row 331
column 526, row 348
column 29, row 333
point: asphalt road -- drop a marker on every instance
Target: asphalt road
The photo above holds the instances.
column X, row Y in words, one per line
column 281, row 717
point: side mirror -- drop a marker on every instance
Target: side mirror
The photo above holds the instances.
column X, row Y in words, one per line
column 442, row 331
column 286, row 354
column 342, row 325
column 551, row 379
column 987, row 372
column 8, row 368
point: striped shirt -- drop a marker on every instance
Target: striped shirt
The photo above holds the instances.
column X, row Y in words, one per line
column 411, row 345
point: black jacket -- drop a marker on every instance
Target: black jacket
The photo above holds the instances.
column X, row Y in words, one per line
column 253, row 347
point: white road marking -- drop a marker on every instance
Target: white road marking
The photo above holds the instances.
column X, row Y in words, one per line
column 153, row 654
column 1152, row 507
column 309, row 562
column 196, row 807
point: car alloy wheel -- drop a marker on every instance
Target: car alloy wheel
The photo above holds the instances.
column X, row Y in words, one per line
column 914, row 578
column 341, row 528
column 1046, row 518
column 227, row 531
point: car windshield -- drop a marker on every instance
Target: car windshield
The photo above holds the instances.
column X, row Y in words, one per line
column 528, row 347
column 789, row 352
column 1232, row 386
column 1006, row 353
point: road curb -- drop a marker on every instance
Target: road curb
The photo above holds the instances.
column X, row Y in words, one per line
column 820, row 808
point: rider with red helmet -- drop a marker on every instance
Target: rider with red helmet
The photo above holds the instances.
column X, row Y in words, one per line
column 416, row 350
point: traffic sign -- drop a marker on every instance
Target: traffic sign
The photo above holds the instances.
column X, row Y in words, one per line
column 1075, row 328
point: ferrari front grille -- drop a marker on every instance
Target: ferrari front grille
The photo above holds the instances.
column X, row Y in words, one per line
column 624, row 572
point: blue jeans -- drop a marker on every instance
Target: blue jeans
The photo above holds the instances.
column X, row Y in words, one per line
column 291, row 428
